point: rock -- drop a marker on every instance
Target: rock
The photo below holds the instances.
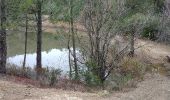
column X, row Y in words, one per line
column 168, row 58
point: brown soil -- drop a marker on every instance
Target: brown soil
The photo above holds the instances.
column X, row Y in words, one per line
column 154, row 87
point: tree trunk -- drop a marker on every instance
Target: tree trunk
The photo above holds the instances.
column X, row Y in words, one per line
column 132, row 43
column 26, row 38
column 3, row 47
column 69, row 57
column 39, row 37
column 73, row 40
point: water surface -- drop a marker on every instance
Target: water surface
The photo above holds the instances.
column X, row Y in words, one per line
column 55, row 58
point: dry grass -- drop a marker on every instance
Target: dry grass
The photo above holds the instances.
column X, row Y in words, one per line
column 49, row 79
column 133, row 66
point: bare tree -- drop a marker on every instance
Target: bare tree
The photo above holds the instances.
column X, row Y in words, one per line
column 99, row 22
column 3, row 47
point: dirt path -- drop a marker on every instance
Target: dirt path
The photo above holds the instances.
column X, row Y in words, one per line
column 153, row 51
column 156, row 51
column 10, row 90
column 155, row 87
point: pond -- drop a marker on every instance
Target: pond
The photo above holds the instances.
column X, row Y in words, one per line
column 15, row 42
column 54, row 58
column 54, row 50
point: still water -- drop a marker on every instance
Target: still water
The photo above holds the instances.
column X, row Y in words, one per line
column 54, row 50
column 55, row 58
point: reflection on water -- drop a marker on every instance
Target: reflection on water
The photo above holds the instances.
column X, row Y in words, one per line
column 54, row 58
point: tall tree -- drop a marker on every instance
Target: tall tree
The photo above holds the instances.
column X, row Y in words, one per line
column 39, row 36
column 73, row 40
column 3, row 47
column 68, row 11
column 138, row 13
column 24, row 10
column 26, row 38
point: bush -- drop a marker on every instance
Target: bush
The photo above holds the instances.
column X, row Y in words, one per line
column 129, row 72
column 150, row 32
column 54, row 75
column 13, row 70
column 90, row 75
column 132, row 66
column 49, row 77
column 91, row 79
column 117, row 82
column 19, row 71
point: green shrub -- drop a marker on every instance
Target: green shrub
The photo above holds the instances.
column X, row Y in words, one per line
column 89, row 75
column 150, row 32
column 91, row 79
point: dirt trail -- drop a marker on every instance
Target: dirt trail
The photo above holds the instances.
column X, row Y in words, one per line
column 10, row 90
column 155, row 87
column 156, row 51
